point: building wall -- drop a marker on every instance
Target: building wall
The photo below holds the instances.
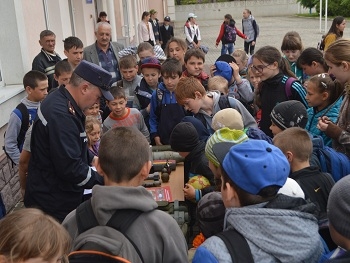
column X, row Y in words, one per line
column 259, row 8
column 22, row 22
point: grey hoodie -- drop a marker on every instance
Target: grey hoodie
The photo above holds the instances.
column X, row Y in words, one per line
column 248, row 29
column 273, row 235
column 14, row 128
column 248, row 120
column 155, row 233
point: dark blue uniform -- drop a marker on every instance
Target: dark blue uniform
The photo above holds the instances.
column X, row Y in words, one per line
column 58, row 169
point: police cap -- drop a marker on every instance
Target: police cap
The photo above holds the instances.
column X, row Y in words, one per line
column 96, row 75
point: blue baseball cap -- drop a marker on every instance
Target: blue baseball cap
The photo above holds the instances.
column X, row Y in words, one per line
column 96, row 75
column 253, row 164
column 223, row 69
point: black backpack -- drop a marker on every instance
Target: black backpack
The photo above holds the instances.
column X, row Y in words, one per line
column 24, row 127
column 225, row 103
column 104, row 243
column 320, row 44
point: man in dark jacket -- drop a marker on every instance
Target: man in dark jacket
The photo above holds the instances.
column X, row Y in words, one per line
column 59, row 168
column 46, row 60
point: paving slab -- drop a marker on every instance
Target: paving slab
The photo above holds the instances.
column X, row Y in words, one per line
column 272, row 31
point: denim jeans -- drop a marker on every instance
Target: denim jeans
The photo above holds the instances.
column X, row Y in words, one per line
column 230, row 47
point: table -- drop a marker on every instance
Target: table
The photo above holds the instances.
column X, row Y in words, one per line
column 175, row 183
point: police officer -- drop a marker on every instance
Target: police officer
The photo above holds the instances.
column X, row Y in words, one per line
column 59, row 166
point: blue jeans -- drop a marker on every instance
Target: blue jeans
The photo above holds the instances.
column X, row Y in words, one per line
column 230, row 47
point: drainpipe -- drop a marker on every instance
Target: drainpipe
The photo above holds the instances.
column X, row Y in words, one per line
column 136, row 22
column 110, row 7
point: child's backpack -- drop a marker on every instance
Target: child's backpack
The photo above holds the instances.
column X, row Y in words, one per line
column 230, row 33
column 104, row 243
column 330, row 161
column 24, row 127
column 224, row 103
column 288, row 87
column 333, row 162
column 320, row 44
column 237, row 246
column 257, row 28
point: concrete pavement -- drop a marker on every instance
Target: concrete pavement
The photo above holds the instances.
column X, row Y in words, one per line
column 272, row 31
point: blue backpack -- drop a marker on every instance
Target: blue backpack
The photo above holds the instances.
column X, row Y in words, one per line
column 330, row 161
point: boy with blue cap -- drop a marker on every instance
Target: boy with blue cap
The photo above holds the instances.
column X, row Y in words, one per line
column 269, row 227
column 239, row 88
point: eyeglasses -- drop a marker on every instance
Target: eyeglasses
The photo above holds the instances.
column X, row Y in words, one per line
column 260, row 68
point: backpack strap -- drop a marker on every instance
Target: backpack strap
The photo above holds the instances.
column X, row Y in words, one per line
column 121, row 220
column 23, row 130
column 85, row 217
column 224, row 102
column 25, row 123
column 288, row 87
column 237, row 246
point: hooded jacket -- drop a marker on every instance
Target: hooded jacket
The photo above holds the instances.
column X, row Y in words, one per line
column 248, row 120
column 249, row 28
column 272, row 92
column 157, row 127
column 313, row 115
column 282, row 230
column 155, row 233
column 14, row 128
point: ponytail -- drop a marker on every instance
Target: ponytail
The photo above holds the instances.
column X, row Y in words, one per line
column 284, row 66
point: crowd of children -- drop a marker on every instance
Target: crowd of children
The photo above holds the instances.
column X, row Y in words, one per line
column 247, row 127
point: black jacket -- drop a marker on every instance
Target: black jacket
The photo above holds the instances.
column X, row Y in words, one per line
column 316, row 186
column 59, row 166
column 45, row 63
column 166, row 34
column 272, row 92
column 196, row 163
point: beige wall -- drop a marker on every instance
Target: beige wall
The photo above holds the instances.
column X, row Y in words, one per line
column 84, row 20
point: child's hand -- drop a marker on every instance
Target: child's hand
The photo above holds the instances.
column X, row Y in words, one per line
column 212, row 70
column 236, row 75
column 157, row 140
column 323, row 123
column 189, row 192
column 94, row 161
column 148, row 108
column 235, row 67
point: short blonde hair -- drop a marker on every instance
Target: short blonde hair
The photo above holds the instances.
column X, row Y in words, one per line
column 295, row 140
column 218, row 83
column 240, row 53
column 29, row 233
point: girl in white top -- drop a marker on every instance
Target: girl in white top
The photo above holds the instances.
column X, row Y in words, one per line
column 145, row 30
column 193, row 35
